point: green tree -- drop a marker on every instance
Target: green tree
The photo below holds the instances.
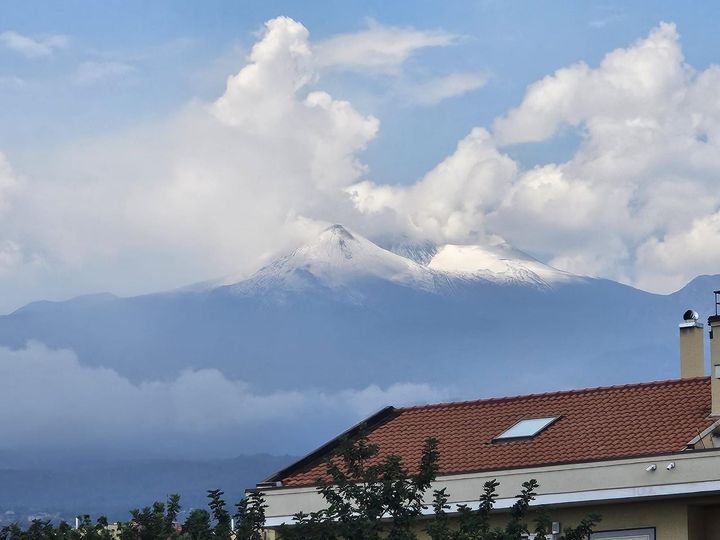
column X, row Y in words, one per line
column 152, row 522
column 45, row 530
column 197, row 525
column 220, row 515
column 250, row 517
column 171, row 515
column 87, row 530
column 368, row 497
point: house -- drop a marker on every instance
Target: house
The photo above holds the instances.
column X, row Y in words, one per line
column 646, row 456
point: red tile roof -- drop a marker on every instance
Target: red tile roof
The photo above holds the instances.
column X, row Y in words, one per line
column 595, row 424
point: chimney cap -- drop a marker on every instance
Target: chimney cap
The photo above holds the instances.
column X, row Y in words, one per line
column 690, row 320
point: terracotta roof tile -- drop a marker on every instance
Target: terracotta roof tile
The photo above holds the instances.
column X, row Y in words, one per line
column 595, row 424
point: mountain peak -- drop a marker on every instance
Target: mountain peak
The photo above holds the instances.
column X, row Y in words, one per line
column 338, row 231
column 334, row 238
column 336, row 258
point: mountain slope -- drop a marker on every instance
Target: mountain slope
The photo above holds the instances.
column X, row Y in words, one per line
column 342, row 312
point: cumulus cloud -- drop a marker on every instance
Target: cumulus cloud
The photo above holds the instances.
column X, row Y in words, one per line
column 32, row 47
column 623, row 205
column 68, row 406
column 378, row 48
column 220, row 187
column 450, row 202
column 11, row 256
column 645, row 170
column 696, row 246
column 641, row 82
column 216, row 188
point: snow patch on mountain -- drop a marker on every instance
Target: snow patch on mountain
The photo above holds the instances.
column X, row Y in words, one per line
column 496, row 262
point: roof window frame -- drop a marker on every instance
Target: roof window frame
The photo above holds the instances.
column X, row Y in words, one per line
column 508, row 438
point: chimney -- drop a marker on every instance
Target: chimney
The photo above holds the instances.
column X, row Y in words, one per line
column 714, row 323
column 692, row 348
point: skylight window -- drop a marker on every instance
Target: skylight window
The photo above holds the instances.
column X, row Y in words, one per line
column 525, row 429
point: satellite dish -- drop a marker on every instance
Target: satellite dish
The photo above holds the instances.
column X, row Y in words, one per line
column 690, row 315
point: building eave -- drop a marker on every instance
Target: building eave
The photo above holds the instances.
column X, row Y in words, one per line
column 693, row 473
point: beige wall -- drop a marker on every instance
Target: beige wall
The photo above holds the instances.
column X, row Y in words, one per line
column 692, row 350
column 670, row 518
column 704, row 521
column 676, row 519
column 558, row 484
column 674, row 500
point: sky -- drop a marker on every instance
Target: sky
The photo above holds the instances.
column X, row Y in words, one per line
column 146, row 146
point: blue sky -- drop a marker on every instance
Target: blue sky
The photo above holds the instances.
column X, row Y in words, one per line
column 87, row 89
column 180, row 49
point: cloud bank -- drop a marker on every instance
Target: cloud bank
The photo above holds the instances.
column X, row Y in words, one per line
column 637, row 202
column 223, row 186
column 50, row 401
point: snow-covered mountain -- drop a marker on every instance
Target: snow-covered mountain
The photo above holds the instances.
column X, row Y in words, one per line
column 342, row 312
column 339, row 259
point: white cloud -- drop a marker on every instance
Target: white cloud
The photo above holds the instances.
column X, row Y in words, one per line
column 450, row 202
column 621, row 207
column 8, row 184
column 449, row 86
column 645, row 169
column 378, row 48
column 94, row 72
column 10, row 257
column 32, row 47
column 14, row 258
column 215, row 189
column 667, row 260
column 634, row 84
column 69, row 406
column 220, row 187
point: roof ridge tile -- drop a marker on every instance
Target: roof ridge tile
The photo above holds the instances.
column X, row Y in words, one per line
column 519, row 397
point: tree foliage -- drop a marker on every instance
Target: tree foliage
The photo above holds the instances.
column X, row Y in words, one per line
column 367, row 497
column 45, row 530
column 250, row 517
column 371, row 498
